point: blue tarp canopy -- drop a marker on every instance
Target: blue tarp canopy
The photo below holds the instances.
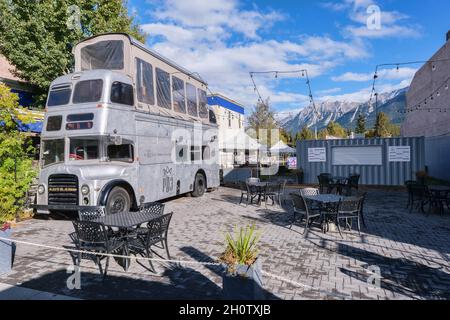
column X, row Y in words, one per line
column 35, row 127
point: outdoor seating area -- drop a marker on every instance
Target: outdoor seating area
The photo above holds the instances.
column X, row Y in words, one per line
column 263, row 191
column 338, row 184
column 428, row 198
column 121, row 234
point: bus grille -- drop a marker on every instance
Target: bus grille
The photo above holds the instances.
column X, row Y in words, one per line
column 62, row 189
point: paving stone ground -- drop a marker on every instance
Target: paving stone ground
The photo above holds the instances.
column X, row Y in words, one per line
column 411, row 251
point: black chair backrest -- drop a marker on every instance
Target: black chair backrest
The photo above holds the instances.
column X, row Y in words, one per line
column 152, row 208
column 299, row 203
column 253, row 180
column 91, row 213
column 324, row 179
column 309, row 192
column 283, row 184
column 243, row 186
column 350, row 205
column 273, row 187
column 353, row 179
column 159, row 226
column 418, row 190
column 89, row 232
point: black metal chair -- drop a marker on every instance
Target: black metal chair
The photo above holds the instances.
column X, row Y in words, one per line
column 94, row 237
column 272, row 191
column 309, row 192
column 302, row 208
column 152, row 208
column 408, row 184
column 253, row 180
column 352, row 183
column 349, row 210
column 157, row 231
column 419, row 196
column 250, row 191
column 91, row 213
column 325, row 182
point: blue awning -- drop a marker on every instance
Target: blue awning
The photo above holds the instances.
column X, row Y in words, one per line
column 219, row 101
column 35, row 127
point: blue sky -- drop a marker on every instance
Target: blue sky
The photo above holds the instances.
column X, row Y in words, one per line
column 339, row 42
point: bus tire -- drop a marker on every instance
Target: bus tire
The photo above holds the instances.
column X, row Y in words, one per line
column 199, row 185
column 118, row 201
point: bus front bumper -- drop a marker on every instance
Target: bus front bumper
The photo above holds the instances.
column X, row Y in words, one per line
column 45, row 209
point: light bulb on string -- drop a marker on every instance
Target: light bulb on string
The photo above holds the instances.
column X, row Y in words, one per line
column 438, row 94
column 398, row 68
column 446, row 86
column 276, row 75
column 434, row 67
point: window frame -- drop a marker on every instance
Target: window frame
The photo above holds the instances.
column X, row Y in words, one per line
column 123, row 85
column 158, row 72
column 140, row 63
column 184, row 98
column 189, row 85
column 60, row 117
column 74, row 101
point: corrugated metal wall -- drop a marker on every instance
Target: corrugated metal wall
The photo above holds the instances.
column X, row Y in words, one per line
column 437, row 157
column 389, row 173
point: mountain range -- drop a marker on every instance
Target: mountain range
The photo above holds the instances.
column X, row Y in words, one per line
column 346, row 112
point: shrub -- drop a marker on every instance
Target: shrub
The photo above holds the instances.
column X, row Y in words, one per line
column 16, row 169
column 242, row 248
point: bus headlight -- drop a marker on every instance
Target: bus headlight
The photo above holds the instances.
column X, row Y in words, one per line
column 85, row 190
column 41, row 189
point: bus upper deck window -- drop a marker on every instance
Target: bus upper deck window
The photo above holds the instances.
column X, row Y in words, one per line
column 191, row 92
column 212, row 117
column 179, row 96
column 54, row 123
column 88, row 91
column 103, row 55
column 203, row 104
column 59, row 95
column 163, row 89
column 122, row 93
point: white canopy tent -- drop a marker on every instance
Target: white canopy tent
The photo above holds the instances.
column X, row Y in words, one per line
column 238, row 140
column 282, row 148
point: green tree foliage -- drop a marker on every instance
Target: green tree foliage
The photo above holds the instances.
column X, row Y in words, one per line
column 361, row 124
column 336, row 130
column 263, row 118
column 38, row 36
column 16, row 169
column 305, row 134
column 382, row 126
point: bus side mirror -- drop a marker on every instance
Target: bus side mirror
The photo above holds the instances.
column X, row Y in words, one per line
column 117, row 140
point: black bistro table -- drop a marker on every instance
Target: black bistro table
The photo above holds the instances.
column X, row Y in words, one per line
column 439, row 196
column 126, row 222
column 328, row 203
column 261, row 188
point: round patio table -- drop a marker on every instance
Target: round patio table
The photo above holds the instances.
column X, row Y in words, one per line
column 260, row 188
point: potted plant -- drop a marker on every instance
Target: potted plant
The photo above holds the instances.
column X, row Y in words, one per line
column 6, row 248
column 243, row 277
column 421, row 176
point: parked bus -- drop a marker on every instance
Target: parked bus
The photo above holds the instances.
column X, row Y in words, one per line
column 128, row 127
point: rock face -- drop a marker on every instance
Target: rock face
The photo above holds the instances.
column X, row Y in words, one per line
column 346, row 112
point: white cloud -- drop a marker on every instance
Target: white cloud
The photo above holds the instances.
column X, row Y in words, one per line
column 384, row 74
column 393, row 23
column 197, row 35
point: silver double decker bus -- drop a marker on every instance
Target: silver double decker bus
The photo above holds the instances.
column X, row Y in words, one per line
column 128, row 127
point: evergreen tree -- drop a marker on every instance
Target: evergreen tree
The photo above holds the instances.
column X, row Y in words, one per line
column 336, row 130
column 361, row 124
column 263, row 118
column 382, row 125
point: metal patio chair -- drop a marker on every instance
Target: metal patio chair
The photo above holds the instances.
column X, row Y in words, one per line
column 302, row 208
column 352, row 183
column 349, row 210
column 152, row 208
column 272, row 192
column 94, row 237
column 420, row 197
column 157, row 231
column 325, row 183
column 91, row 213
column 309, row 192
column 408, row 184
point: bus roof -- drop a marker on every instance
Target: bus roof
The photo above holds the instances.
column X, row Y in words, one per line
column 155, row 54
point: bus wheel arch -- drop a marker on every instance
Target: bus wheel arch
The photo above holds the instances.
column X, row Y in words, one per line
column 200, row 184
column 118, row 188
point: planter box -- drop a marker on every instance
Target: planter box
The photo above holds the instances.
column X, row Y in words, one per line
column 244, row 284
column 6, row 252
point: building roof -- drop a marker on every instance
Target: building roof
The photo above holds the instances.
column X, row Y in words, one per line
column 222, row 101
column 6, row 68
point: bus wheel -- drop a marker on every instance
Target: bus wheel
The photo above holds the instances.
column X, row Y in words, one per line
column 199, row 185
column 118, row 201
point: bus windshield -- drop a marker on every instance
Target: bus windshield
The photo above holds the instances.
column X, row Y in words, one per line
column 52, row 152
column 84, row 149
